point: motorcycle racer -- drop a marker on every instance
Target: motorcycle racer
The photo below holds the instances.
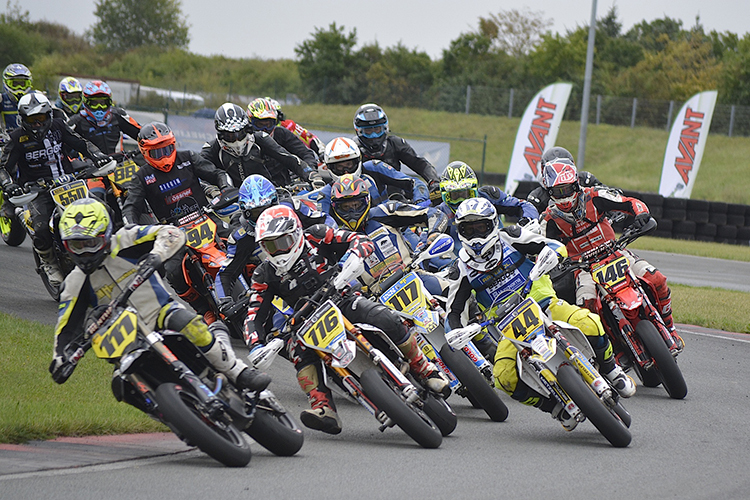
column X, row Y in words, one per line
column 494, row 264
column 577, row 217
column 103, row 264
column 298, row 262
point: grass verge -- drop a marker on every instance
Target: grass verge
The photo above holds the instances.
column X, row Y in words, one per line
column 33, row 407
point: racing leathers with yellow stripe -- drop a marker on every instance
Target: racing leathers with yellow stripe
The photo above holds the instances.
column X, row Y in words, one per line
column 495, row 282
column 154, row 304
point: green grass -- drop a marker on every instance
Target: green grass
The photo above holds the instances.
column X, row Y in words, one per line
column 628, row 158
column 32, row 406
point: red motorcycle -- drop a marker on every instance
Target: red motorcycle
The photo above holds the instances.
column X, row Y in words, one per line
column 625, row 303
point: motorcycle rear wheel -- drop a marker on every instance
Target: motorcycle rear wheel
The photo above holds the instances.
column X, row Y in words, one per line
column 610, row 426
column 665, row 365
column 276, row 432
column 475, row 383
column 221, row 441
column 413, row 421
column 12, row 231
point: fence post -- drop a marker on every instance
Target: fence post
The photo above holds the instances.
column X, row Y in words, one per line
column 598, row 107
column 484, row 152
column 632, row 117
column 468, row 98
column 731, row 121
column 510, row 104
column 669, row 115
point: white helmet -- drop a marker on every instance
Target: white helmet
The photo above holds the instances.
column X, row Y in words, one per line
column 342, row 156
column 279, row 233
column 233, row 129
column 479, row 231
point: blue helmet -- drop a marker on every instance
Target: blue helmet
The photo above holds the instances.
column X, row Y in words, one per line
column 371, row 125
column 256, row 194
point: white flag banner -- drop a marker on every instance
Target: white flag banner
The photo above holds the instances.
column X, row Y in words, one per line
column 536, row 133
column 686, row 144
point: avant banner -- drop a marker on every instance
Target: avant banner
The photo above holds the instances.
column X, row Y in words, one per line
column 536, row 133
column 686, row 144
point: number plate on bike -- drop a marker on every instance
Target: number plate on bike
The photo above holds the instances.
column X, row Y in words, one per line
column 611, row 273
column 68, row 193
column 120, row 334
column 323, row 329
column 123, row 173
column 407, row 296
column 523, row 322
column 200, row 233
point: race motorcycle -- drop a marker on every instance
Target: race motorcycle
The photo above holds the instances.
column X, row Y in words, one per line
column 64, row 190
column 625, row 303
column 554, row 358
column 368, row 369
column 11, row 229
column 167, row 377
column 470, row 374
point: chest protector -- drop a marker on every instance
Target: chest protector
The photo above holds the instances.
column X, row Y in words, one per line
column 586, row 234
column 391, row 252
column 496, row 285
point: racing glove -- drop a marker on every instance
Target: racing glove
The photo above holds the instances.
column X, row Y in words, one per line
column 13, row 189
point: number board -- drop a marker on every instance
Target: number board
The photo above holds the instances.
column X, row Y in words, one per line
column 200, row 233
column 406, row 295
column 323, row 327
column 123, row 173
column 122, row 333
column 68, row 193
column 611, row 273
column 524, row 322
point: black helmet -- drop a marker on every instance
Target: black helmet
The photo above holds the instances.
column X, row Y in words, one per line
column 371, row 124
column 232, row 129
column 35, row 114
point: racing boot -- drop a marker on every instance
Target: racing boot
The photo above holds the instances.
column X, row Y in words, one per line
column 322, row 416
column 621, row 381
column 221, row 355
column 50, row 267
column 665, row 309
column 423, row 368
column 568, row 423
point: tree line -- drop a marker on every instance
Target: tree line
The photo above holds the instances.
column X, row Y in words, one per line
column 659, row 59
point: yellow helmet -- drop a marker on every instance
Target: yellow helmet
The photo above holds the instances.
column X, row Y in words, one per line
column 458, row 183
column 86, row 231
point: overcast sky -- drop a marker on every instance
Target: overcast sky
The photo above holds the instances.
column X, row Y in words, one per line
column 271, row 29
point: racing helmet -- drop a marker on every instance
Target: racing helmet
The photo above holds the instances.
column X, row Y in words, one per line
column 478, row 229
column 277, row 106
column 233, row 129
column 35, row 114
column 371, row 125
column 458, row 183
column 279, row 233
column 350, row 201
column 255, row 195
column 71, row 95
column 263, row 115
column 97, row 102
column 559, row 177
column 157, row 144
column 86, row 232
column 342, row 156
column 16, row 81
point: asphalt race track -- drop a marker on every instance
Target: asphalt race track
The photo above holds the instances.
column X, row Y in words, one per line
column 694, row 448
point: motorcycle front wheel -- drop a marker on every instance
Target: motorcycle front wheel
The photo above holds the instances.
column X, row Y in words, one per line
column 665, row 365
column 276, row 432
column 475, row 383
column 181, row 410
column 610, row 426
column 53, row 290
column 413, row 421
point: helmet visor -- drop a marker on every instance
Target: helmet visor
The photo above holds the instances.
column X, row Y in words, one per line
column 344, row 167
column 159, row 153
column 98, row 102
column 36, row 121
column 456, row 196
column 280, row 245
column 371, row 132
column 252, row 213
column 18, row 83
column 562, row 191
column 475, row 228
column 265, row 125
column 87, row 245
column 71, row 97
column 231, row 136
column 349, row 207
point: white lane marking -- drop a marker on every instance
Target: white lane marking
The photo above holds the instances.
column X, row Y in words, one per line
column 716, row 336
column 123, row 464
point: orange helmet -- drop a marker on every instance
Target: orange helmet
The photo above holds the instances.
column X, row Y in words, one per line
column 157, row 144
